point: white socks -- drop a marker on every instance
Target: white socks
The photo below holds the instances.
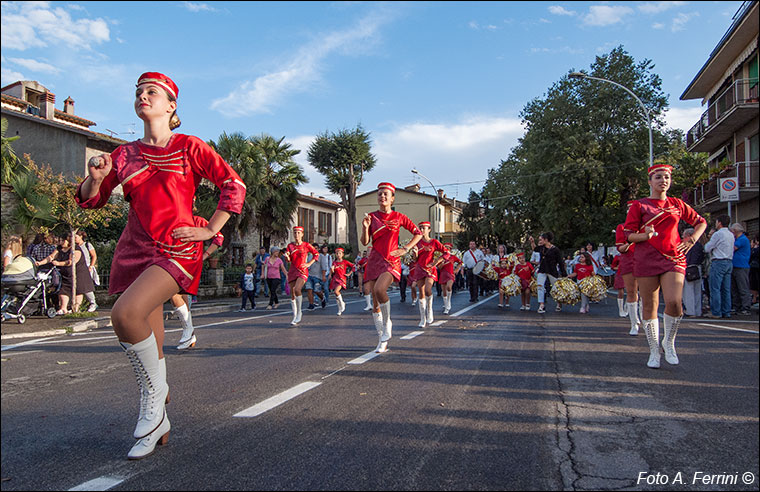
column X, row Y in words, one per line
column 633, row 314
column 423, row 312
column 368, row 299
column 186, row 320
column 670, row 324
column 652, row 327
column 622, row 308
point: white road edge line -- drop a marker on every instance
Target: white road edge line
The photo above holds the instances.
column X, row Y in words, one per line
column 412, row 335
column 727, row 328
column 364, row 358
column 100, row 483
column 277, row 400
column 460, row 312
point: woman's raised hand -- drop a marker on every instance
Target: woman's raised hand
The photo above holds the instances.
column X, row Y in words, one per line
column 100, row 166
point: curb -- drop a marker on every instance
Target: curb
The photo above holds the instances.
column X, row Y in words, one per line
column 105, row 322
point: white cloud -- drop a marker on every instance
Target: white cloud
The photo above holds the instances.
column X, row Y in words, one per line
column 34, row 65
column 198, row 7
column 473, row 25
column 605, row 15
column 658, row 25
column 300, row 74
column 683, row 118
column 680, row 21
column 559, row 10
column 35, row 25
column 8, row 76
column 446, row 153
column 657, row 7
column 563, row 49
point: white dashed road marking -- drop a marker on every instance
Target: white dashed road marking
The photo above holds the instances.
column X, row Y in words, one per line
column 277, row 400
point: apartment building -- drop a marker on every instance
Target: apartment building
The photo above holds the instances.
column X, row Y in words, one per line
column 728, row 129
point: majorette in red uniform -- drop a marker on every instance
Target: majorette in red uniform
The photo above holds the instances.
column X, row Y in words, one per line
column 524, row 272
column 339, row 272
column 382, row 228
column 502, row 272
column 159, row 182
column 447, row 276
column 297, row 253
column 625, row 276
column 424, row 273
column 652, row 223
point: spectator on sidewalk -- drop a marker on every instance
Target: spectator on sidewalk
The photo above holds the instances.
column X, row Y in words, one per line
column 721, row 248
column 692, row 290
column 740, row 294
column 261, row 281
column 272, row 270
column 90, row 259
column 326, row 262
column 44, row 249
column 13, row 248
column 754, row 268
column 314, row 282
column 38, row 239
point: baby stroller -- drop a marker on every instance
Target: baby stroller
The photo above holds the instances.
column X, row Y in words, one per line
column 25, row 290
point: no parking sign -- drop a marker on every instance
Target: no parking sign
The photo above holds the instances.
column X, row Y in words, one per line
column 729, row 189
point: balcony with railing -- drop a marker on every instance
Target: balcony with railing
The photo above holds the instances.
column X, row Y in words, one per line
column 708, row 192
column 731, row 110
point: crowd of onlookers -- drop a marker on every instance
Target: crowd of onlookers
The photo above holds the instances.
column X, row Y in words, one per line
column 49, row 251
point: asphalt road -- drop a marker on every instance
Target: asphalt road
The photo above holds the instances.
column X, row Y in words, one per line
column 486, row 400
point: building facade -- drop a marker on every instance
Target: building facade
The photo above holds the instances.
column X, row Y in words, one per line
column 442, row 212
column 50, row 136
column 728, row 128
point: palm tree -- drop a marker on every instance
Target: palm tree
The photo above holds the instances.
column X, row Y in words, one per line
column 10, row 160
column 277, row 193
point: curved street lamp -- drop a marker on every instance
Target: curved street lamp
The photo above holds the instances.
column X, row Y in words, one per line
column 581, row 75
column 437, row 201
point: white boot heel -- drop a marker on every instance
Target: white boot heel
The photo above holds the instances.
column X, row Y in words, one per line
column 147, row 445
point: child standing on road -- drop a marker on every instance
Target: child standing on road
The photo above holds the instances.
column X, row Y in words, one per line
column 584, row 268
column 248, row 288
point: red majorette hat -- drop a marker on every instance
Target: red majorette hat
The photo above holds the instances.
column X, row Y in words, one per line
column 521, row 254
column 660, row 167
column 297, row 228
column 338, row 249
column 424, row 224
column 387, row 186
column 159, row 79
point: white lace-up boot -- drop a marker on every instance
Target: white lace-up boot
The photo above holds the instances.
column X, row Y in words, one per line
column 652, row 328
column 423, row 312
column 299, row 304
column 145, row 446
column 187, row 340
column 633, row 314
column 622, row 308
column 670, row 325
column 446, row 304
column 341, row 306
column 382, row 346
column 294, row 307
column 151, row 379
column 368, row 300
column 429, row 308
column 385, row 310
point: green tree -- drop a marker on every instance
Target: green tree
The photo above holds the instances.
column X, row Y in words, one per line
column 277, row 196
column 64, row 209
column 10, row 161
column 584, row 154
column 344, row 158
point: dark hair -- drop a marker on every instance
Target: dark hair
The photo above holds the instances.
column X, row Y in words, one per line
column 724, row 220
column 589, row 258
column 548, row 236
column 248, row 265
column 593, row 246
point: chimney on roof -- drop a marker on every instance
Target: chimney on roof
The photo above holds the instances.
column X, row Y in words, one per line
column 440, row 194
column 47, row 106
column 68, row 106
column 414, row 187
column 312, row 193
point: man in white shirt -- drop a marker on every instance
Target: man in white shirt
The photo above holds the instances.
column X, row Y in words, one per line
column 470, row 258
column 721, row 249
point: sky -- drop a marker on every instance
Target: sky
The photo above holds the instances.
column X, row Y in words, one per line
column 439, row 86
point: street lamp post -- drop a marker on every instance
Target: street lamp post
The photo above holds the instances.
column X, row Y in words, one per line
column 437, row 201
column 581, row 75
